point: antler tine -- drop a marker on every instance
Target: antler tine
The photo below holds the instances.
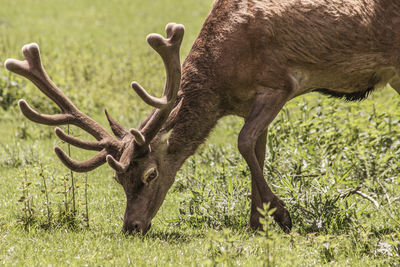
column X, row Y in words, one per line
column 147, row 98
column 116, row 165
column 32, row 69
column 81, row 166
column 168, row 49
column 139, row 138
column 97, row 146
column 117, row 128
column 125, row 160
column 35, row 116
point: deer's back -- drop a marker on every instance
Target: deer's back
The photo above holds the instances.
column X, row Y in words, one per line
column 339, row 45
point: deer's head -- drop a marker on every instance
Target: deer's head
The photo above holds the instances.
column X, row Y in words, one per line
column 138, row 156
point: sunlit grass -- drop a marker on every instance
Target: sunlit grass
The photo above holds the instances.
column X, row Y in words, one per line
column 320, row 150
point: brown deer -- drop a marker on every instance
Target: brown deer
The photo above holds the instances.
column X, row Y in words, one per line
column 249, row 59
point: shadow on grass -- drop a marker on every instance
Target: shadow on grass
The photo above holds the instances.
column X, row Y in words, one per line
column 174, row 235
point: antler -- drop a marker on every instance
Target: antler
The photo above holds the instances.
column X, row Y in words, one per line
column 32, row 69
column 168, row 49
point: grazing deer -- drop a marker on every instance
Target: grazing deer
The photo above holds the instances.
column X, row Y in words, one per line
column 249, row 59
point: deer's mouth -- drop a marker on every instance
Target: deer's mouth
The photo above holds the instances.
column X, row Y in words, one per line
column 136, row 227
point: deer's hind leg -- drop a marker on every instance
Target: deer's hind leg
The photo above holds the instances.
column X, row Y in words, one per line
column 256, row 201
column 266, row 106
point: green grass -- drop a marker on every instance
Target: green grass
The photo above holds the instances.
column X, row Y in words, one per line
column 319, row 151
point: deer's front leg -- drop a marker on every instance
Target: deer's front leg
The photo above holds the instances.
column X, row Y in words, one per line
column 266, row 106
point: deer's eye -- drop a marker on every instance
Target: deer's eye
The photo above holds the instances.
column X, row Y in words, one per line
column 150, row 176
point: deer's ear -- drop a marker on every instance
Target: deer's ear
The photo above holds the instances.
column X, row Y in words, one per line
column 164, row 140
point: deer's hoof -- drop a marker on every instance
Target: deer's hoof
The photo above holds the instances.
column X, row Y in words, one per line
column 283, row 219
column 254, row 223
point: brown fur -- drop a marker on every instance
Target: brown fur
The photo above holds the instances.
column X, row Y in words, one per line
column 345, row 47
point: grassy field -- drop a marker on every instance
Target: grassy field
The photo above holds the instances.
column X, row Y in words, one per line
column 336, row 164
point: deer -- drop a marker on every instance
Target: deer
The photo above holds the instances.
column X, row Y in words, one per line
column 249, row 59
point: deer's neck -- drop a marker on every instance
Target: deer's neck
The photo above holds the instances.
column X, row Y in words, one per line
column 195, row 115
